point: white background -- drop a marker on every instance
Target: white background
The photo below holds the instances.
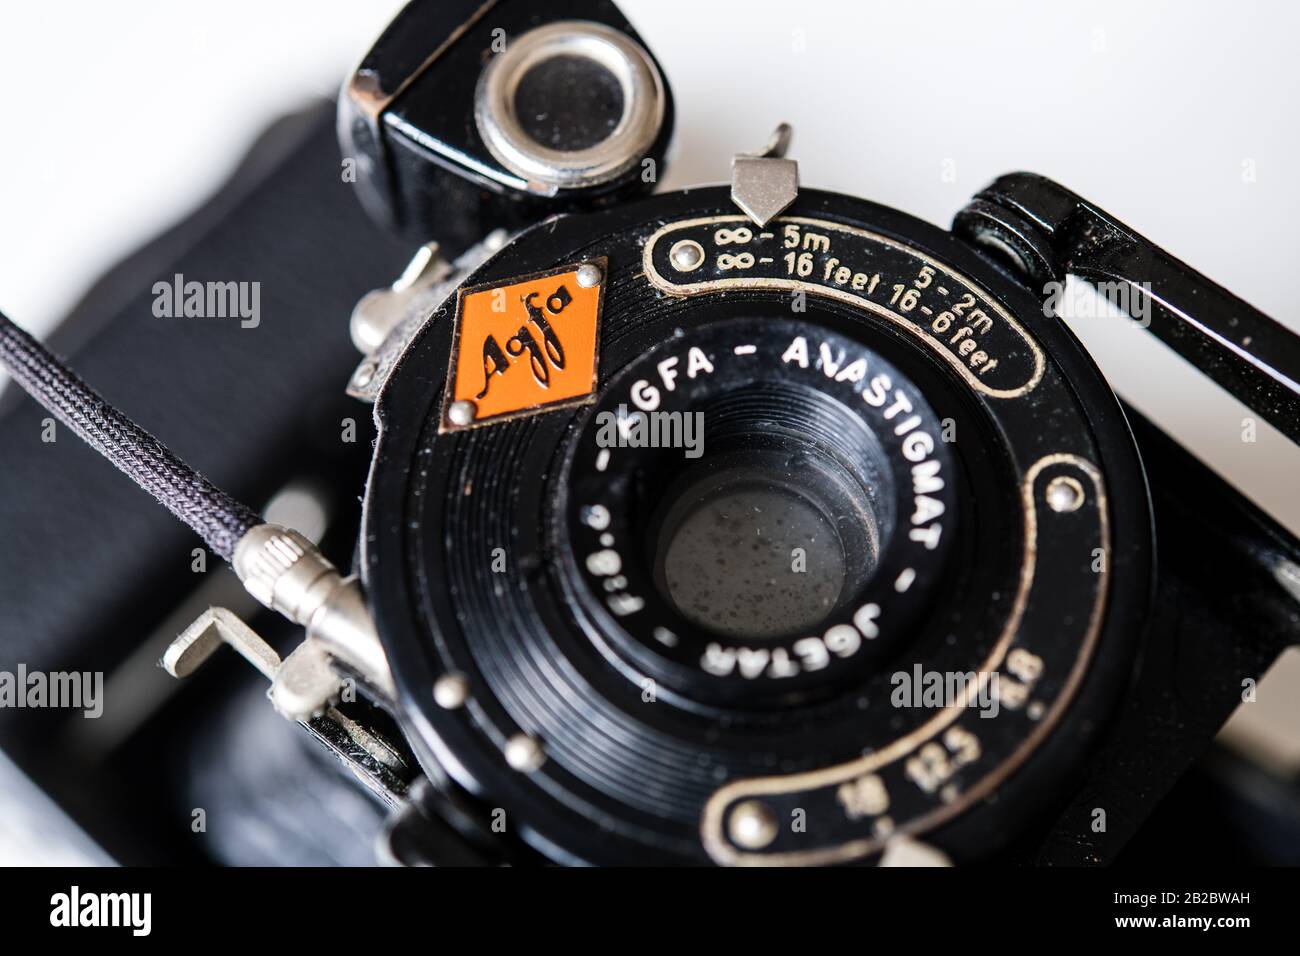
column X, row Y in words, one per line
column 119, row 117
column 1179, row 117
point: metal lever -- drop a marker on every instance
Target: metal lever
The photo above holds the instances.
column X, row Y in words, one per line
column 304, row 688
column 303, row 685
column 1048, row 232
column 764, row 184
column 381, row 311
column 211, row 629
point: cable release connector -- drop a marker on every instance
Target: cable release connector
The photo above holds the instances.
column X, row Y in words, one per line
column 286, row 573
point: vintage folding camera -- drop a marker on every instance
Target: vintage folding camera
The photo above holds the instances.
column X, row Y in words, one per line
column 744, row 524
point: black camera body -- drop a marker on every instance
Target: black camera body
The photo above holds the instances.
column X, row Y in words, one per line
column 756, row 525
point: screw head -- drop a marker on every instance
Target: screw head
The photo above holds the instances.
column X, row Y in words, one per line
column 1064, row 494
column 461, row 412
column 686, row 255
column 752, row 825
column 524, row 754
column 589, row 275
column 450, row 691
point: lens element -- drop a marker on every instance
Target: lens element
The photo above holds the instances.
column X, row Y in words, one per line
column 764, row 545
column 569, row 103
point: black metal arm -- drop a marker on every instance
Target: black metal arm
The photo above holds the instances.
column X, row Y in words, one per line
column 1049, row 232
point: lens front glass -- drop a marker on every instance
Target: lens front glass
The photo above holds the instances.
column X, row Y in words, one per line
column 765, row 539
column 568, row 103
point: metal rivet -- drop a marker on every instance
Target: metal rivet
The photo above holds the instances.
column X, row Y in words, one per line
column 364, row 375
column 686, row 255
column 589, row 275
column 1064, row 494
column 461, row 412
column 524, row 754
column 752, row 825
column 450, row 691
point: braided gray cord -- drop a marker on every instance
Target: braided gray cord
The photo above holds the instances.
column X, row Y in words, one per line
column 216, row 517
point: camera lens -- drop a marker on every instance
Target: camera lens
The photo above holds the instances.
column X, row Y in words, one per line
column 694, row 588
column 765, row 542
column 569, row 103
column 751, row 512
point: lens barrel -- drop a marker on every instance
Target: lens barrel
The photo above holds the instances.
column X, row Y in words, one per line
column 798, row 424
column 814, row 470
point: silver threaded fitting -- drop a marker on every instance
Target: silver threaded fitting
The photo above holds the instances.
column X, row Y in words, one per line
column 287, row 573
column 284, row 571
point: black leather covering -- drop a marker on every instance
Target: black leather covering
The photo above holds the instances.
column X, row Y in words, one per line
column 88, row 562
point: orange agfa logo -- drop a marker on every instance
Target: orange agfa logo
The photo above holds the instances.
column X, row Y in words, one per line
column 524, row 346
